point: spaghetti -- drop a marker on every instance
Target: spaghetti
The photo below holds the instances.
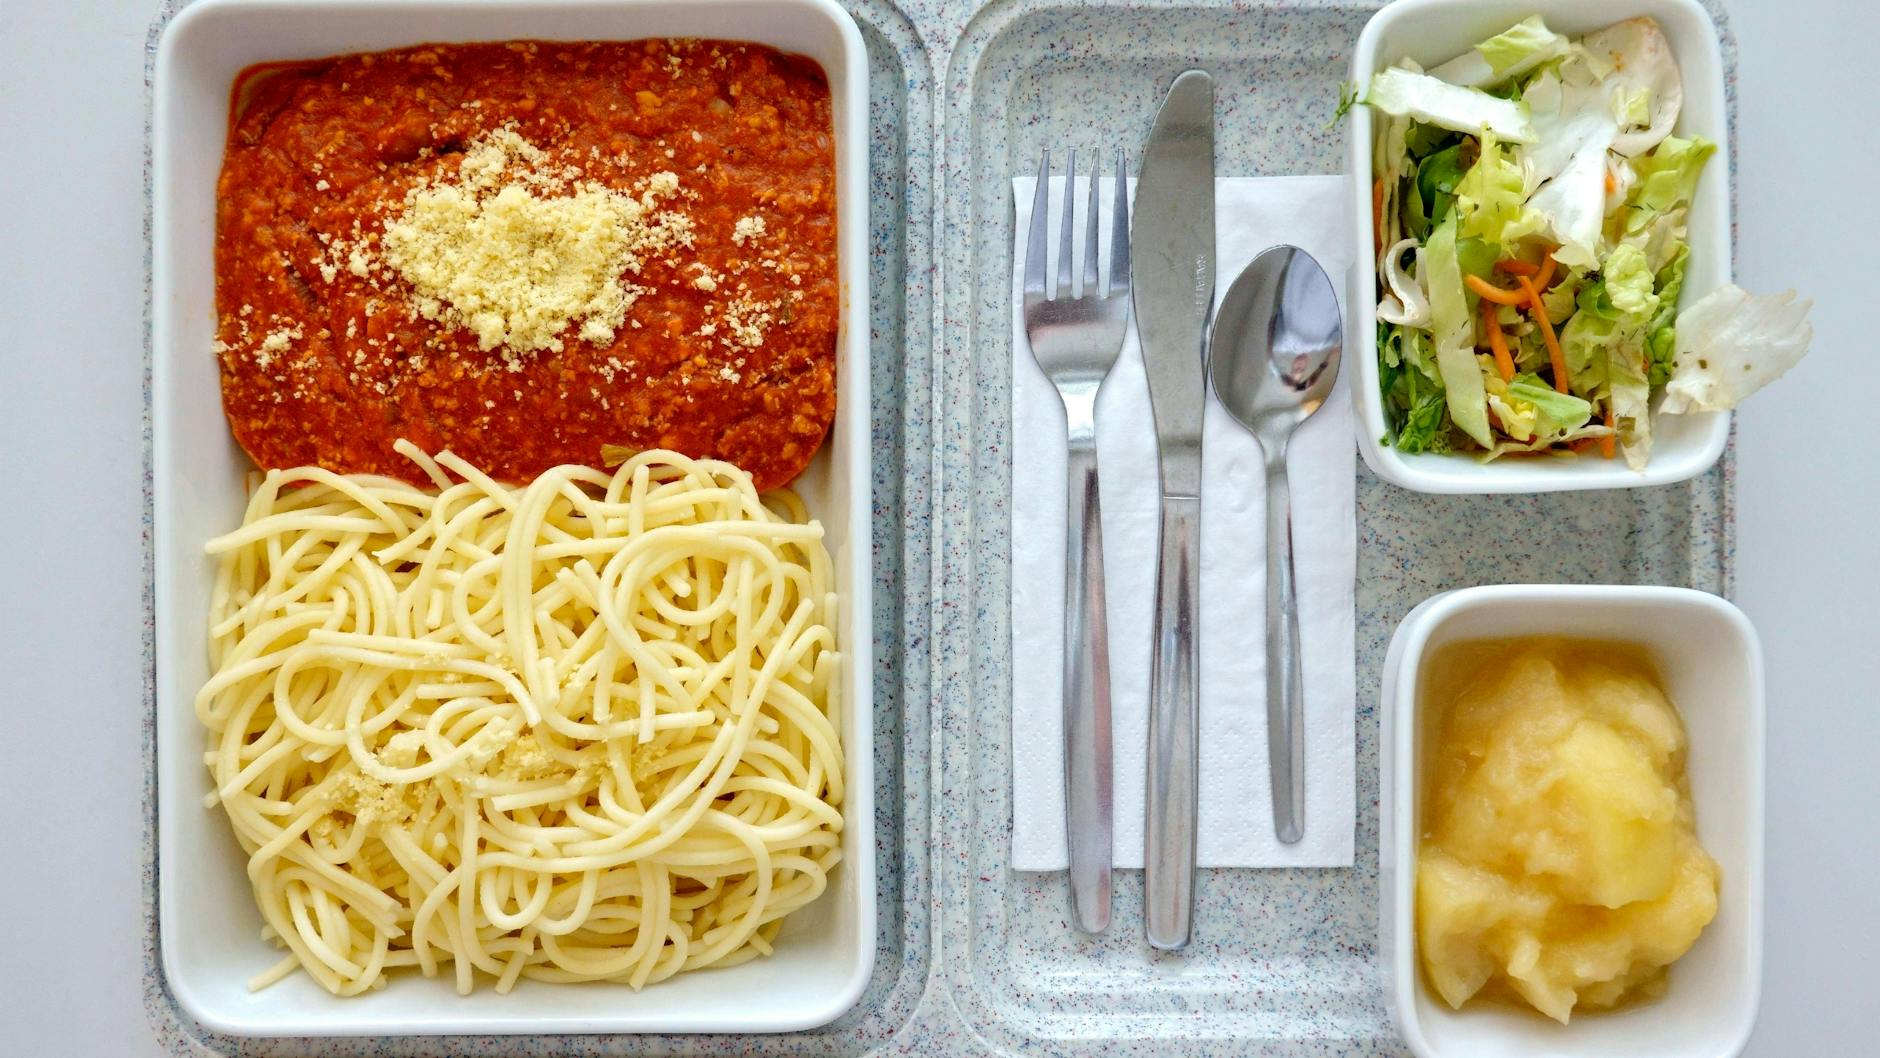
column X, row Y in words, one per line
column 582, row 730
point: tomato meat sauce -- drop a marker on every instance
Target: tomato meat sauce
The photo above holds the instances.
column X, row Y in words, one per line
column 522, row 252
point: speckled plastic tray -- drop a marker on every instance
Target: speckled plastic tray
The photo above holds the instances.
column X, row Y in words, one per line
column 975, row 958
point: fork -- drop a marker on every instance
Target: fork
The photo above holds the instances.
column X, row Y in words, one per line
column 1076, row 334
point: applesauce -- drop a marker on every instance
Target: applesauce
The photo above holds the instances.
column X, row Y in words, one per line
column 1558, row 861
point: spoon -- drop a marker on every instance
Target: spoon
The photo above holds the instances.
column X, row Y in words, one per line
column 1272, row 359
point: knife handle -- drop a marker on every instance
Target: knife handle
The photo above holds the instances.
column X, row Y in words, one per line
column 1087, row 788
column 1285, row 691
column 1169, row 828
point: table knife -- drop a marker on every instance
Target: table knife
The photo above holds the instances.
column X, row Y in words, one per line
column 1172, row 276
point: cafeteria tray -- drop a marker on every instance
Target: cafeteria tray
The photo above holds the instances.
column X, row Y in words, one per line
column 974, row 958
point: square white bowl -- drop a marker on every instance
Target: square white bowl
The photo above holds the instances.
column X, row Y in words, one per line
column 1710, row 663
column 208, row 926
column 1433, row 31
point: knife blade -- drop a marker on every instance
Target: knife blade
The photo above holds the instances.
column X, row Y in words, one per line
column 1172, row 279
column 1172, row 273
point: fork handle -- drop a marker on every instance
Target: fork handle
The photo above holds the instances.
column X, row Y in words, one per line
column 1174, row 708
column 1087, row 789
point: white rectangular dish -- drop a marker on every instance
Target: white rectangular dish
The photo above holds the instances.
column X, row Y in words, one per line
column 1433, row 31
column 1710, row 663
column 208, row 927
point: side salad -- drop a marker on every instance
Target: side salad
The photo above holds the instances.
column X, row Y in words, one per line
column 1530, row 201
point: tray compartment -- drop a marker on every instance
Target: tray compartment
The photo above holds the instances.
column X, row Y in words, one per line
column 900, row 112
column 1283, row 961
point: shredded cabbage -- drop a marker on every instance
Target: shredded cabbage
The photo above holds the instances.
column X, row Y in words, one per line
column 1454, row 334
column 1510, row 53
column 1402, row 93
column 1732, row 343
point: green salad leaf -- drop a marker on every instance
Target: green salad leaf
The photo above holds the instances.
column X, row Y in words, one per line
column 1521, row 47
column 1438, row 177
column 1508, row 54
column 1414, row 398
column 1554, row 413
column 1629, row 286
column 1661, row 338
column 1492, row 198
column 1454, row 333
column 1426, row 428
column 1405, row 93
column 1667, row 179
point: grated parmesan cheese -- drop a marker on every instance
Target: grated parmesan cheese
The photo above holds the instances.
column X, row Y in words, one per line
column 278, row 341
column 516, row 250
column 748, row 228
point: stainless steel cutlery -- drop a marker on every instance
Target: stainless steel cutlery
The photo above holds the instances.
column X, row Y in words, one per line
column 1076, row 333
column 1173, row 237
column 1272, row 358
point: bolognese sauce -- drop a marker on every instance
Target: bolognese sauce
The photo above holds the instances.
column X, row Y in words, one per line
column 521, row 252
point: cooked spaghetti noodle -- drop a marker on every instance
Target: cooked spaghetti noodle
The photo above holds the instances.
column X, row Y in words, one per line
column 583, row 730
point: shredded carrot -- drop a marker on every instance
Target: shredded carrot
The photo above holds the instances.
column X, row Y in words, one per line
column 1546, row 274
column 1490, row 292
column 1496, row 342
column 1516, row 267
column 1377, row 214
column 1611, row 184
column 1607, row 443
column 1554, row 355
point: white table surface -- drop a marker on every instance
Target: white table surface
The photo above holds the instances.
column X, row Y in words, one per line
column 71, row 337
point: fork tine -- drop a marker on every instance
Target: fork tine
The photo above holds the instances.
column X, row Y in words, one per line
column 1090, row 236
column 1065, row 230
column 1036, row 254
column 1119, row 227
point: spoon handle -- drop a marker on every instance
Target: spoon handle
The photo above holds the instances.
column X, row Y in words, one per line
column 1285, row 693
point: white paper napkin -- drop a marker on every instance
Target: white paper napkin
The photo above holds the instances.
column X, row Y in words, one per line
column 1235, row 810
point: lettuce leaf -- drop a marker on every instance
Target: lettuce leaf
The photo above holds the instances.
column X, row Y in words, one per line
column 1510, row 53
column 1554, row 413
column 1632, row 106
column 1424, row 140
column 1630, row 287
column 1574, row 202
column 1583, row 344
column 1662, row 335
column 1453, row 331
column 1414, row 400
column 1629, row 391
column 1560, row 298
column 1491, row 198
column 1437, row 178
column 1521, row 47
column 1667, row 180
column 1531, row 411
column 1732, row 343
column 1565, row 117
column 1611, row 314
column 1426, row 428
column 1639, row 71
column 1400, row 92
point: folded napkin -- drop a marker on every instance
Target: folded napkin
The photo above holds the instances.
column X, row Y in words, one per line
column 1235, row 810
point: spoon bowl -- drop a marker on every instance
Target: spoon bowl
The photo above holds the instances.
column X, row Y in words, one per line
column 1272, row 360
column 1273, row 355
